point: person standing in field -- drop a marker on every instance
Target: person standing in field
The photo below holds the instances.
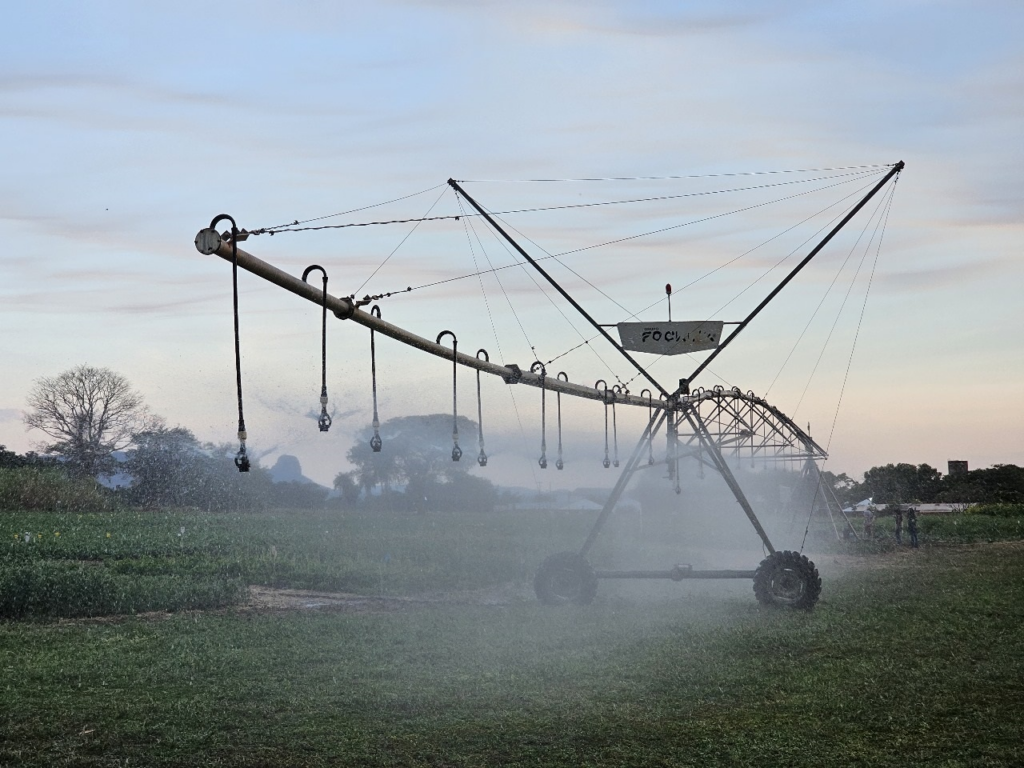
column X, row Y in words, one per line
column 869, row 522
column 897, row 514
column 912, row 526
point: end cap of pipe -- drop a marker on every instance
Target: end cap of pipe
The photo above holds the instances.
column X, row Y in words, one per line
column 208, row 241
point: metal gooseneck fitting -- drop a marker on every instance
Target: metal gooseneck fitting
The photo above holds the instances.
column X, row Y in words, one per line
column 606, row 463
column 615, row 426
column 241, row 458
column 543, row 460
column 375, row 442
column 650, row 419
column 324, row 422
column 670, row 429
column 481, row 458
column 559, row 464
column 672, row 435
column 456, row 451
column 750, row 418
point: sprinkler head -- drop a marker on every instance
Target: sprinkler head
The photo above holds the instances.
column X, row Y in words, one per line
column 324, row 422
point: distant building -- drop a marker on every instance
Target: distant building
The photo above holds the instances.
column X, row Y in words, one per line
column 950, row 508
column 957, row 467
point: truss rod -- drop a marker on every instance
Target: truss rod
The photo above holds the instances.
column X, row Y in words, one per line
column 897, row 168
column 519, row 249
column 810, row 445
column 210, row 242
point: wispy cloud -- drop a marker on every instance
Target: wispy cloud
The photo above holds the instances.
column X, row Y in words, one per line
column 917, row 281
column 118, row 158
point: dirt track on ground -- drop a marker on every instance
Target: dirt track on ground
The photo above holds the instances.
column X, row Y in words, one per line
column 270, row 600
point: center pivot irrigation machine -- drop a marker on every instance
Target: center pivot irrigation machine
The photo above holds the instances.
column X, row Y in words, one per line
column 709, row 425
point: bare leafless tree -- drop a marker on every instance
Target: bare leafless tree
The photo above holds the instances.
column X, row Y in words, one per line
column 89, row 413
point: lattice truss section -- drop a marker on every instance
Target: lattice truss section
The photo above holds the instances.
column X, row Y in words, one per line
column 746, row 426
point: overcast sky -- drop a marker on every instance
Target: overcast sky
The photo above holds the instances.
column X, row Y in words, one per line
column 126, row 127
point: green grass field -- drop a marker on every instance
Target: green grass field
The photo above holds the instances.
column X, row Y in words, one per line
column 910, row 658
column 71, row 565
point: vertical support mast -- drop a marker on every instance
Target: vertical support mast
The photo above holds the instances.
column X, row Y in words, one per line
column 643, row 371
column 846, row 219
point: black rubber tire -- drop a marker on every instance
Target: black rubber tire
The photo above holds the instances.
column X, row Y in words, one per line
column 787, row 580
column 565, row 578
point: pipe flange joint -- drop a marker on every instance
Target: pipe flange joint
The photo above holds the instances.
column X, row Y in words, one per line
column 514, row 375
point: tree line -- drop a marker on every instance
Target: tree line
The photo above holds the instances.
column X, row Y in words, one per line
column 923, row 484
column 91, row 413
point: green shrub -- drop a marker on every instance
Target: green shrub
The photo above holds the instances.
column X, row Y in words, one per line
column 50, row 589
column 996, row 510
column 968, row 529
column 33, row 488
